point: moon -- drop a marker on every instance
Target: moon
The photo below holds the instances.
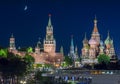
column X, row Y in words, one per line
column 25, row 8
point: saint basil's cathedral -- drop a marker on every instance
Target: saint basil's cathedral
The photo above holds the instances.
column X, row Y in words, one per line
column 95, row 46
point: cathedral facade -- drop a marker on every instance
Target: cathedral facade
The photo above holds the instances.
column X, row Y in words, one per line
column 93, row 47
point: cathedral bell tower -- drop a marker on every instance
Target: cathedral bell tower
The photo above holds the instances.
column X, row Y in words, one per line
column 49, row 41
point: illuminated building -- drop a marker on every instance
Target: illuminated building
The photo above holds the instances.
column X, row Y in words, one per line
column 74, row 54
column 12, row 43
column 49, row 41
column 48, row 55
column 92, row 48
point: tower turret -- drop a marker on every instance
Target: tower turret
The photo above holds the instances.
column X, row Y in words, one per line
column 61, row 50
column 72, row 52
column 49, row 41
column 76, row 53
column 112, row 50
column 37, row 48
column 12, row 43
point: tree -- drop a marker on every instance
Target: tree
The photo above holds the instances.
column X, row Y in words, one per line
column 13, row 66
column 30, row 50
column 29, row 61
column 102, row 58
column 3, row 52
column 67, row 61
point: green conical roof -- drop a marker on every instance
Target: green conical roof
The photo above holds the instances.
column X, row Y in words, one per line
column 49, row 21
column 61, row 50
column 12, row 35
column 85, row 39
column 108, row 40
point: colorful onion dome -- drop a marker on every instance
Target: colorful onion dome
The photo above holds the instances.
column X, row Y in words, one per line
column 108, row 40
column 92, row 41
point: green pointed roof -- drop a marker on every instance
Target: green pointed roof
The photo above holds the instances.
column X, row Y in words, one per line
column 12, row 35
column 61, row 50
column 49, row 21
column 85, row 39
column 108, row 40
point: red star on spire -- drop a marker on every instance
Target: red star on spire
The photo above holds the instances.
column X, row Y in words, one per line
column 49, row 15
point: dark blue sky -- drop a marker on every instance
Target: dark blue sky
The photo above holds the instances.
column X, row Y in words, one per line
column 69, row 17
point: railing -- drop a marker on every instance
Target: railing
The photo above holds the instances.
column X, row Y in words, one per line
column 91, row 71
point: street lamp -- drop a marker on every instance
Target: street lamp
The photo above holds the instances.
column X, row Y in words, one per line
column 23, row 82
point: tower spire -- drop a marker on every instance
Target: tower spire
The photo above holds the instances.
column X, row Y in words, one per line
column 108, row 34
column 49, row 21
column 49, row 42
column 72, row 44
column 95, row 25
column 61, row 50
column 12, row 35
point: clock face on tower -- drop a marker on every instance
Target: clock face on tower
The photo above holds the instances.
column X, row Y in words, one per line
column 48, row 36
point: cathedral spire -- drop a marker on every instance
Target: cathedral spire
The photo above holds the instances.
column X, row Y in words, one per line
column 108, row 34
column 72, row 44
column 85, row 41
column 49, row 21
column 95, row 25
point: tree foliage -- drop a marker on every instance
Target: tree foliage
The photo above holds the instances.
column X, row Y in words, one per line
column 67, row 61
column 14, row 66
column 29, row 60
column 103, row 58
column 30, row 50
column 3, row 52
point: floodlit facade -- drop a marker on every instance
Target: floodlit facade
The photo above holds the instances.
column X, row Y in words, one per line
column 47, row 54
column 95, row 46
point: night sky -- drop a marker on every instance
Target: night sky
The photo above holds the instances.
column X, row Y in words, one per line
column 69, row 17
